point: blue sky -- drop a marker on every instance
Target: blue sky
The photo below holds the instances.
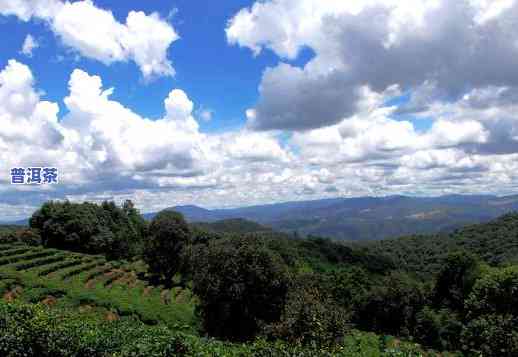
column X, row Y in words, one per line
column 270, row 100
column 217, row 76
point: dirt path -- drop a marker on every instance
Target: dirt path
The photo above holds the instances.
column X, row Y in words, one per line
column 147, row 291
column 13, row 294
column 165, row 297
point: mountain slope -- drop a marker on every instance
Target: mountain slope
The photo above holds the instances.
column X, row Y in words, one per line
column 232, row 225
column 495, row 242
column 365, row 218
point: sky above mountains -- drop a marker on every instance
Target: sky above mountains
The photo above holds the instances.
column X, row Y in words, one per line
column 233, row 103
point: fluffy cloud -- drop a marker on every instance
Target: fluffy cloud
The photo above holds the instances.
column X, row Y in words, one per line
column 98, row 139
column 104, row 149
column 26, row 121
column 114, row 137
column 29, row 44
column 95, row 33
column 341, row 133
column 439, row 44
column 456, row 131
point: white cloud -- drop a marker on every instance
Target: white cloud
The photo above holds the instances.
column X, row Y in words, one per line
column 103, row 148
column 114, row 136
column 106, row 150
column 26, row 9
column 251, row 146
column 447, row 46
column 205, row 114
column 29, row 44
column 95, row 33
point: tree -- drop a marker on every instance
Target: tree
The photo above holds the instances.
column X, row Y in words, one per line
column 491, row 335
column 439, row 329
column 90, row 228
column 392, row 306
column 495, row 292
column 168, row 234
column 241, row 285
column 456, row 280
column 311, row 315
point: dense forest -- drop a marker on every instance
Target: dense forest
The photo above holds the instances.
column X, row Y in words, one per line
column 260, row 292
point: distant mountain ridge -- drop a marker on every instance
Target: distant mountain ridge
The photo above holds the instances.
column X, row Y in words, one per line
column 232, row 225
column 21, row 222
column 364, row 218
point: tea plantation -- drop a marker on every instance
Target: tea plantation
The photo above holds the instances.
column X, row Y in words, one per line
column 98, row 280
column 57, row 303
column 91, row 284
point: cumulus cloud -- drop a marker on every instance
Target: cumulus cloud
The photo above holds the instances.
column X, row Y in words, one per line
column 340, row 132
column 104, row 149
column 98, row 139
column 29, row 44
column 205, row 114
column 95, row 33
column 451, row 46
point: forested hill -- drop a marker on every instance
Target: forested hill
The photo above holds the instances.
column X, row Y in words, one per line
column 291, row 295
column 495, row 242
column 233, row 225
column 364, row 218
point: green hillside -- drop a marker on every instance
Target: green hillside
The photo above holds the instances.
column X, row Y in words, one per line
column 89, row 283
column 495, row 242
column 98, row 280
column 89, row 304
column 233, row 225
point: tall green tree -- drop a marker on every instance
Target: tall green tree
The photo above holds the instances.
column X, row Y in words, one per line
column 392, row 305
column 311, row 314
column 241, row 284
column 456, row 280
column 168, row 235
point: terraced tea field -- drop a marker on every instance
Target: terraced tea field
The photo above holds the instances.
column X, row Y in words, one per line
column 91, row 285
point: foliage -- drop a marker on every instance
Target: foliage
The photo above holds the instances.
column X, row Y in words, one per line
column 392, row 306
column 349, row 287
column 168, row 235
column 310, row 315
column 455, row 280
column 305, row 297
column 339, row 254
column 233, row 225
column 491, row 335
column 439, row 328
column 37, row 331
column 19, row 234
column 90, row 228
column 241, row 285
column 496, row 292
column 84, row 280
column 493, row 242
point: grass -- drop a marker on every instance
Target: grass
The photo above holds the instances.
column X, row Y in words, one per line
column 63, row 276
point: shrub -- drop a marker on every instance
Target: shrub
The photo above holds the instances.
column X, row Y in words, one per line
column 38, row 331
column 29, row 237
